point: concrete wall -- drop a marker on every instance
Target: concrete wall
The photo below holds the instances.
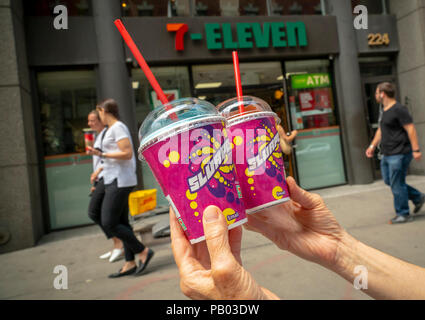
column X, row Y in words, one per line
column 410, row 16
column 20, row 204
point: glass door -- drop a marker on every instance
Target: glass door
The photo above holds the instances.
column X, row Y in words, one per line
column 312, row 109
column 66, row 98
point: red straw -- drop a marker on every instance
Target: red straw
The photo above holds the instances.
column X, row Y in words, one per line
column 142, row 63
column 238, row 80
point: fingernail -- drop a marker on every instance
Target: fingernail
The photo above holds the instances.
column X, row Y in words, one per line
column 210, row 214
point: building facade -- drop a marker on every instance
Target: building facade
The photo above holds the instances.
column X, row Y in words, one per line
column 305, row 58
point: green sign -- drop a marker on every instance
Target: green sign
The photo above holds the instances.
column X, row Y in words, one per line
column 250, row 35
column 310, row 80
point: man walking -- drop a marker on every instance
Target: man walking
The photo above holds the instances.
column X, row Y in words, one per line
column 399, row 143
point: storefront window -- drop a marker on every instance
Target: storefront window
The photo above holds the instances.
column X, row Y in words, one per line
column 174, row 81
column 221, row 78
column 45, row 7
column 207, row 8
column 231, row 8
column 312, row 108
column 65, row 99
column 292, row 7
column 375, row 66
column 156, row 8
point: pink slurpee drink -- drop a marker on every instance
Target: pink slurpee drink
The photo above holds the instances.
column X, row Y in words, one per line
column 256, row 152
column 185, row 144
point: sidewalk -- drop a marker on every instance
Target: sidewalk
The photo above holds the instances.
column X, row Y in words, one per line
column 363, row 210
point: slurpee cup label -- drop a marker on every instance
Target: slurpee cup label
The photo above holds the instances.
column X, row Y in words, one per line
column 259, row 162
column 194, row 169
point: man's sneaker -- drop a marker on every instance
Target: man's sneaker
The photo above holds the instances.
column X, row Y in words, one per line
column 420, row 204
column 400, row 219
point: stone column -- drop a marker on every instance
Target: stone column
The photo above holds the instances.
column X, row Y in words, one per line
column 349, row 92
column 113, row 75
column 410, row 17
column 21, row 222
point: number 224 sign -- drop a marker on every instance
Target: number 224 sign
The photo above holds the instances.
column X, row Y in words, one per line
column 378, row 39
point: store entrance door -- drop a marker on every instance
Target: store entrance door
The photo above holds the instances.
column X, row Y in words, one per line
column 372, row 114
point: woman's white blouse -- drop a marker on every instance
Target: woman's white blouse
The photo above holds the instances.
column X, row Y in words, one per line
column 122, row 170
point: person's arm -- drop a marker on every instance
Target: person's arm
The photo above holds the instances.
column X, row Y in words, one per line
column 376, row 139
column 308, row 229
column 125, row 153
column 387, row 277
column 94, row 175
column 413, row 137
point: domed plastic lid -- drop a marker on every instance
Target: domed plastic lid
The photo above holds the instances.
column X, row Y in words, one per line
column 253, row 107
column 175, row 117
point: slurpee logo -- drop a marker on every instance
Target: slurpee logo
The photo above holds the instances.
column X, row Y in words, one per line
column 243, row 35
column 258, row 160
column 210, row 168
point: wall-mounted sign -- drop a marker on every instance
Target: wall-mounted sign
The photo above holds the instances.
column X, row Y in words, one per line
column 310, row 80
column 378, row 39
column 381, row 35
column 243, row 35
column 170, row 41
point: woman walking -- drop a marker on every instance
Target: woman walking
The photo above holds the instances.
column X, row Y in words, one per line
column 94, row 122
column 119, row 179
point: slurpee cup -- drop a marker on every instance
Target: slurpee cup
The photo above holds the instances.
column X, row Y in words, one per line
column 256, row 152
column 88, row 138
column 185, row 144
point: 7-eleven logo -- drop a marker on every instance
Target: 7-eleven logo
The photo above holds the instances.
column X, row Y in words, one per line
column 180, row 29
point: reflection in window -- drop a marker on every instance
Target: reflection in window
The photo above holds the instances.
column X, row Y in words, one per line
column 293, row 7
column 207, row 8
column 135, row 8
column 216, row 83
column 180, row 8
column 311, row 105
column 252, row 8
column 174, row 81
column 45, row 7
column 66, row 98
column 222, row 75
column 231, row 8
column 155, row 8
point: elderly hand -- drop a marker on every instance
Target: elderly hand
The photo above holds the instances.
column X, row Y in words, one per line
column 303, row 226
column 213, row 268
